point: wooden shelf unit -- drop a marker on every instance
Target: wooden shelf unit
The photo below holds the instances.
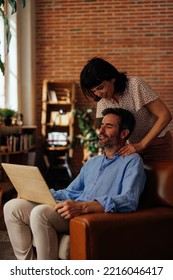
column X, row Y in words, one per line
column 17, row 145
column 57, row 127
column 58, row 103
column 16, row 139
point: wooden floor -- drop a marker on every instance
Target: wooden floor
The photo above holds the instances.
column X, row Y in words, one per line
column 6, row 251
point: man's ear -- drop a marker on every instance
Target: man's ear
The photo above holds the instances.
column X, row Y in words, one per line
column 124, row 133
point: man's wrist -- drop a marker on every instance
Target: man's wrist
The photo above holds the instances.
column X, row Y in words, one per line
column 86, row 207
column 92, row 207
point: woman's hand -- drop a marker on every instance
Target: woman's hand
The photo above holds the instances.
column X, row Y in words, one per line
column 130, row 149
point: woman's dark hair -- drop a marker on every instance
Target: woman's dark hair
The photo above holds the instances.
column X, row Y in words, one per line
column 98, row 70
column 127, row 120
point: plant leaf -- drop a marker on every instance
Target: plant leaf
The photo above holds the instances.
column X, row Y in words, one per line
column 13, row 5
column 1, row 2
column 23, row 3
column 1, row 66
column 7, row 26
column 8, row 37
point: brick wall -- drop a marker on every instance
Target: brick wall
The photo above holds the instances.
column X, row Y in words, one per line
column 135, row 36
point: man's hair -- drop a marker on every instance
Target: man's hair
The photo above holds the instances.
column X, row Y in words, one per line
column 127, row 120
column 98, row 70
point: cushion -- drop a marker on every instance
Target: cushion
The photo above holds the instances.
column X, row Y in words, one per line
column 64, row 247
column 158, row 191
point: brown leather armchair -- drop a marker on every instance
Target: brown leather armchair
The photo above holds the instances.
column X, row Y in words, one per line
column 144, row 234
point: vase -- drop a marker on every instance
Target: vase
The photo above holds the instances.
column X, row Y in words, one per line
column 8, row 121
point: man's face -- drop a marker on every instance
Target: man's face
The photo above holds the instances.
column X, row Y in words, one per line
column 109, row 134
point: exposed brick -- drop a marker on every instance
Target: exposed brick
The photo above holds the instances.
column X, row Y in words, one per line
column 135, row 36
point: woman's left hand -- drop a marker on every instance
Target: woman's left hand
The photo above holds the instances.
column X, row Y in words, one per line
column 130, row 149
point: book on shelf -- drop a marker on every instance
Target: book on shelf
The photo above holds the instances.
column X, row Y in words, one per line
column 16, row 143
column 62, row 95
column 52, row 96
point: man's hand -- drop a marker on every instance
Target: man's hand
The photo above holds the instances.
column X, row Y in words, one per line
column 70, row 208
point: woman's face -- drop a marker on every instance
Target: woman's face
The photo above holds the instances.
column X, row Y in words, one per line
column 105, row 89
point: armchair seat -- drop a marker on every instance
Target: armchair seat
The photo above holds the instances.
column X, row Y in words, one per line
column 63, row 248
column 144, row 234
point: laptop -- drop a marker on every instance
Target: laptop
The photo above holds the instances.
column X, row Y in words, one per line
column 29, row 183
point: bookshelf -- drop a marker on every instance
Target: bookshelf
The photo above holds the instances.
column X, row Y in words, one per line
column 57, row 121
column 17, row 145
column 16, row 139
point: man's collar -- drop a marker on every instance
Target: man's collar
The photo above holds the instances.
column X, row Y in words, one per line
column 114, row 157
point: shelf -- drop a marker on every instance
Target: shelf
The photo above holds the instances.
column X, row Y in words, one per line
column 61, row 148
column 58, row 103
column 14, row 129
column 56, row 125
column 18, row 152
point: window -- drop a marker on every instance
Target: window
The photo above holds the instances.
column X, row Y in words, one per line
column 8, row 81
column 2, row 79
column 11, row 94
column 16, row 86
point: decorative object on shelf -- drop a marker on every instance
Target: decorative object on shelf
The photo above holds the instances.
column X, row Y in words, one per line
column 7, row 114
column 89, row 136
column 62, row 95
column 56, row 139
column 19, row 119
column 60, row 117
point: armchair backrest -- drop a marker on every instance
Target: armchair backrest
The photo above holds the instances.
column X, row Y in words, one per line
column 158, row 191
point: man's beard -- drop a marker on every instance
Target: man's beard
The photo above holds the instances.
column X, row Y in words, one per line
column 107, row 144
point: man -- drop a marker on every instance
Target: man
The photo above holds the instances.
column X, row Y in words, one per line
column 106, row 183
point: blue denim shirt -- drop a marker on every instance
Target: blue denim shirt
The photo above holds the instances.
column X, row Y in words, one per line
column 115, row 183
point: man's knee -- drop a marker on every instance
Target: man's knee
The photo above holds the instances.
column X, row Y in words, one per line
column 17, row 209
column 40, row 213
column 10, row 207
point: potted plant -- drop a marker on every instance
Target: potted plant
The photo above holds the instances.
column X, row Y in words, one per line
column 7, row 114
column 88, row 136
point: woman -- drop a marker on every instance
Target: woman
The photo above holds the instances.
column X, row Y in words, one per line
column 101, row 81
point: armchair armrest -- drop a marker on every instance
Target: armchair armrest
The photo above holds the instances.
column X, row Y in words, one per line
column 144, row 234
